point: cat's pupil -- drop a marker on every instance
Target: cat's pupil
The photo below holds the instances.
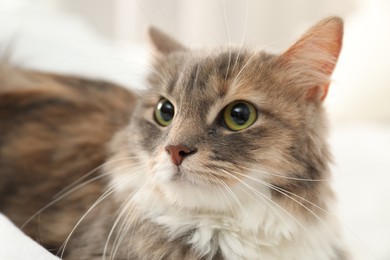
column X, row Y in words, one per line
column 240, row 113
column 167, row 111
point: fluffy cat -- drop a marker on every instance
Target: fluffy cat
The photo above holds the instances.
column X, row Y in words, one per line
column 223, row 157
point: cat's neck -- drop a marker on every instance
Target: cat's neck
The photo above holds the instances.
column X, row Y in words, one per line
column 253, row 230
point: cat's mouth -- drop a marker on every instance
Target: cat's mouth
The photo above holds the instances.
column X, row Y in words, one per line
column 190, row 172
column 165, row 172
column 181, row 175
column 177, row 175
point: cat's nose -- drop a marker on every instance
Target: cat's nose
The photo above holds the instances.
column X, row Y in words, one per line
column 179, row 152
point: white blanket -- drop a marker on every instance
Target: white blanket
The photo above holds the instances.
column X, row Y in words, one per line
column 14, row 245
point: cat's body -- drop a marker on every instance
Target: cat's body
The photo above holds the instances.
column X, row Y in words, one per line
column 54, row 130
column 224, row 158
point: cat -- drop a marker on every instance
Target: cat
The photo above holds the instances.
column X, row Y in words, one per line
column 224, row 156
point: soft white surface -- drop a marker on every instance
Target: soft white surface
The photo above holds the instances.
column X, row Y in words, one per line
column 14, row 245
column 361, row 150
column 362, row 175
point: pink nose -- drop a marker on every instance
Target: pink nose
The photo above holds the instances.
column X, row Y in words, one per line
column 179, row 152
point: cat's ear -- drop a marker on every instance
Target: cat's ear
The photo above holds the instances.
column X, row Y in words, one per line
column 313, row 57
column 162, row 43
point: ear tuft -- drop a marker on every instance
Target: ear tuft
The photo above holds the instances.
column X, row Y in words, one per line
column 162, row 43
column 314, row 57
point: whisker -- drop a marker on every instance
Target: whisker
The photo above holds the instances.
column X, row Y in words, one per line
column 196, row 76
column 283, row 191
column 288, row 196
column 243, row 35
column 110, row 190
column 284, row 177
column 121, row 213
column 309, row 210
column 224, row 195
column 243, row 67
column 286, row 191
column 270, row 200
column 123, row 229
column 223, row 4
column 90, row 173
column 127, row 227
column 123, row 210
column 69, row 192
column 227, row 188
column 99, row 200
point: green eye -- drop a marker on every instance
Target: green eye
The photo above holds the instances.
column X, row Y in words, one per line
column 164, row 112
column 239, row 115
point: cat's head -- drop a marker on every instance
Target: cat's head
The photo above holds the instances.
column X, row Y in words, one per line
column 230, row 122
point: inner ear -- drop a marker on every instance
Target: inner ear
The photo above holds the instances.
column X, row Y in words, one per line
column 310, row 61
column 162, row 43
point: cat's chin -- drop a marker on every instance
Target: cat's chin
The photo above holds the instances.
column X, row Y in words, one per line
column 188, row 197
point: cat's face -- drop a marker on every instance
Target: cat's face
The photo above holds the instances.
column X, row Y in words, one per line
column 216, row 124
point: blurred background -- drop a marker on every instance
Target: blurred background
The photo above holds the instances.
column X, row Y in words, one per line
column 106, row 39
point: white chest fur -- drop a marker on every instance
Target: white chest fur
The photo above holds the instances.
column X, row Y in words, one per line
column 252, row 233
column 251, row 229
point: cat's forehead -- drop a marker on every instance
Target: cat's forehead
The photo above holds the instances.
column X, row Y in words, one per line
column 208, row 75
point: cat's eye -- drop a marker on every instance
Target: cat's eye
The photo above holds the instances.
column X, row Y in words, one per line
column 239, row 115
column 164, row 112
